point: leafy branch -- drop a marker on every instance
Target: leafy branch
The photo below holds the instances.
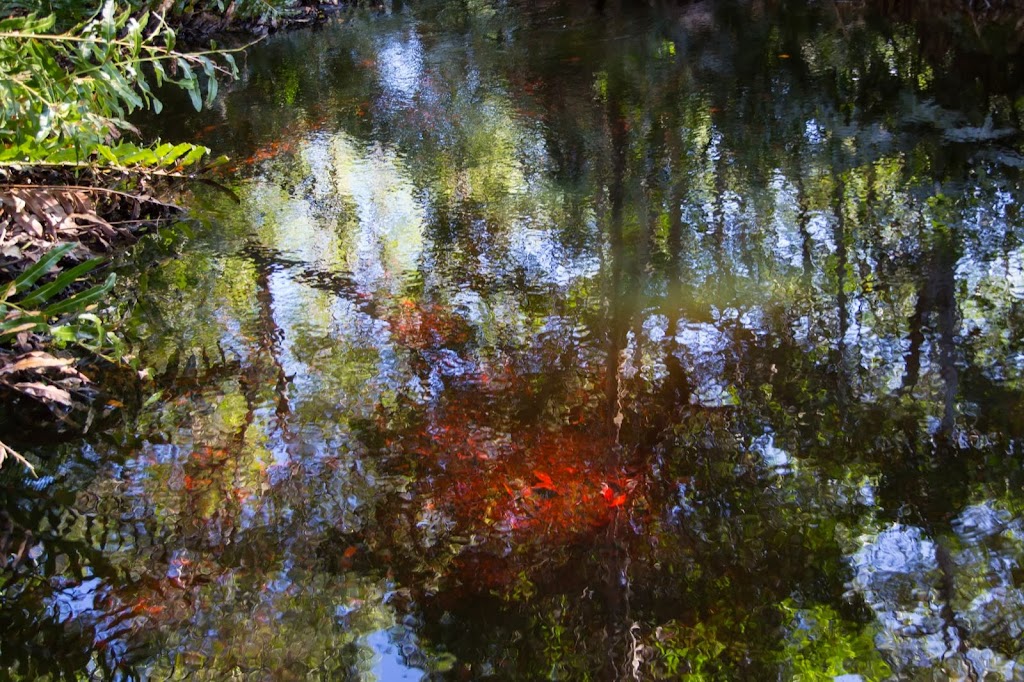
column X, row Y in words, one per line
column 70, row 93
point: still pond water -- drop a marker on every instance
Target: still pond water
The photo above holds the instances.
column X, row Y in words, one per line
column 570, row 342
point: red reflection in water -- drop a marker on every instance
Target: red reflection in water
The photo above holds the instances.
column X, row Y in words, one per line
column 548, row 486
column 423, row 325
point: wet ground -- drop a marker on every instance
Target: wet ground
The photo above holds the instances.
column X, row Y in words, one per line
column 560, row 341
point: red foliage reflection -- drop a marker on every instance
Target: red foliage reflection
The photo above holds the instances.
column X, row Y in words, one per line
column 545, row 487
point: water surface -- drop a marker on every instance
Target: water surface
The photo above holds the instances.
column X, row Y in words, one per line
column 564, row 342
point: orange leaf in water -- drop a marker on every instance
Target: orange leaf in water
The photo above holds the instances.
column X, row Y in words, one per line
column 143, row 606
column 193, row 483
column 611, row 496
column 350, row 551
column 545, row 480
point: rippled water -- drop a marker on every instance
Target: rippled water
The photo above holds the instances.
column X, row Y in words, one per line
column 570, row 342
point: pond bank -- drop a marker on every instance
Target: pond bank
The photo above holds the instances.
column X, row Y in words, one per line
column 71, row 183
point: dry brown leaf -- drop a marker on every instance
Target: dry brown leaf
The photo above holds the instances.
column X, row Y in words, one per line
column 22, row 328
column 35, row 217
column 12, row 202
column 34, row 360
column 47, row 394
column 29, row 223
column 76, row 202
column 94, row 219
column 73, row 378
column 43, row 207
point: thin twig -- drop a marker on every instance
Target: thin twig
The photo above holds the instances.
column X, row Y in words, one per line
column 137, row 221
column 67, row 37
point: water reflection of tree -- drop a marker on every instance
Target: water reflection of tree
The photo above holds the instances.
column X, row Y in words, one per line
column 748, row 512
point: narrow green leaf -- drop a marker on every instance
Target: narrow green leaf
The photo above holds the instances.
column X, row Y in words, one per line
column 70, row 155
column 29, row 277
column 197, row 100
column 82, row 299
column 90, row 317
column 65, row 280
column 161, row 150
column 158, row 70
column 64, row 334
column 10, row 153
column 194, row 155
column 143, row 156
column 186, row 70
column 107, row 154
column 211, row 91
column 175, row 153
